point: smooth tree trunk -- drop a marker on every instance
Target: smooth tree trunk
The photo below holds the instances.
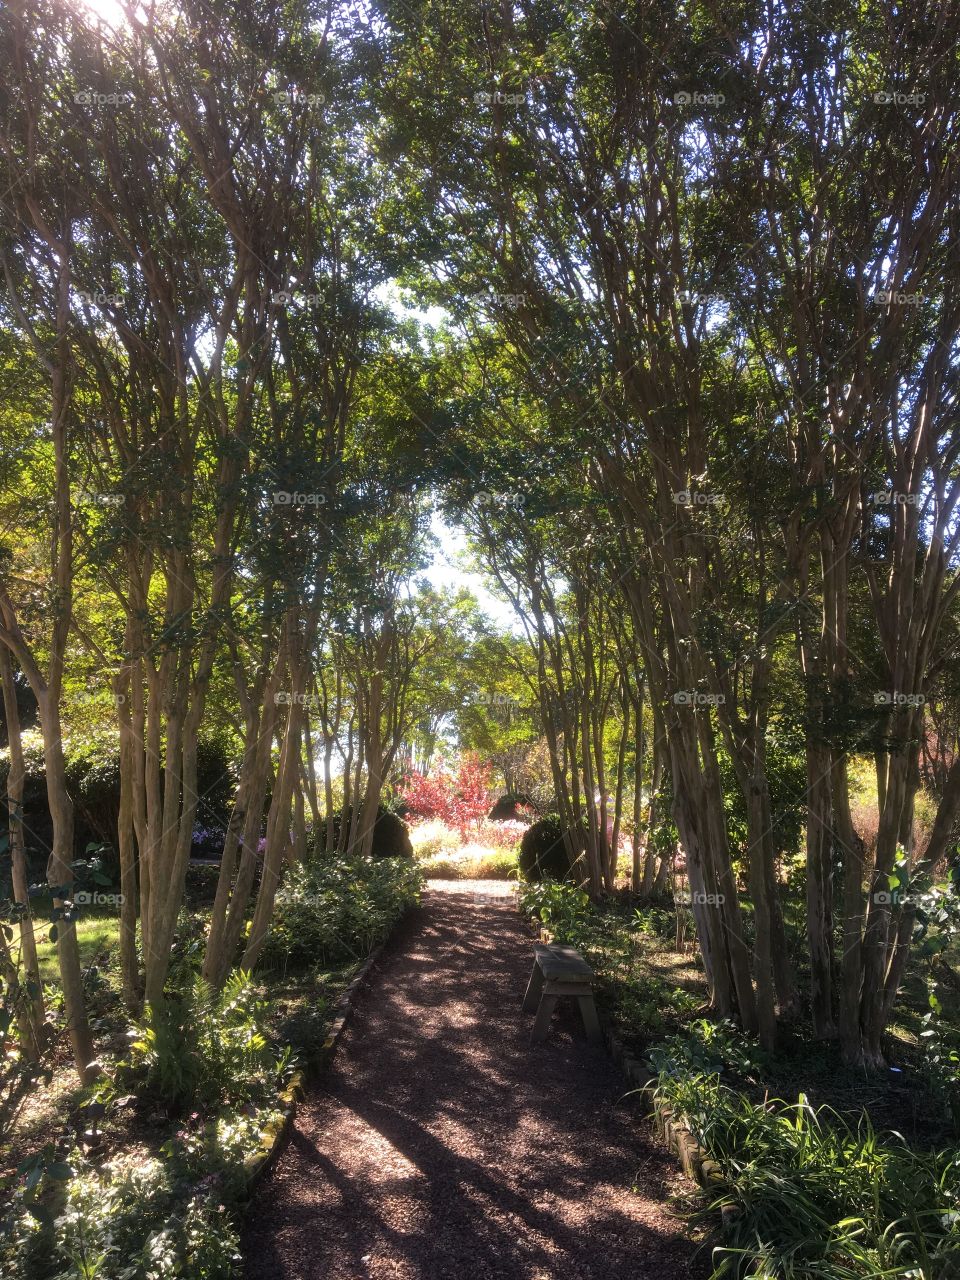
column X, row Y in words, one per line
column 31, row 1012
column 60, row 877
column 126, row 846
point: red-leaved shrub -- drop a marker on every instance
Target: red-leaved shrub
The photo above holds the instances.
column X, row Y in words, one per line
column 459, row 799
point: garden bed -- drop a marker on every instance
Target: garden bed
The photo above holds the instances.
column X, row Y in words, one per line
column 145, row 1174
column 861, row 1160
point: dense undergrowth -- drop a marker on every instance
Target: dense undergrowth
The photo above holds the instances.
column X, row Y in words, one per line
column 202, row 1081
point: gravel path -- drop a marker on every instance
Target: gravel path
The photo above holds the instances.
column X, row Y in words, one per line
column 443, row 1145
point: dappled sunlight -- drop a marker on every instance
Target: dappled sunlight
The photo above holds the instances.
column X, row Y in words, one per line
column 454, row 1143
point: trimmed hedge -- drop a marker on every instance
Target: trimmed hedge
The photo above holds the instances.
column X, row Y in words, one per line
column 506, row 808
column 391, row 835
column 93, row 782
column 542, row 851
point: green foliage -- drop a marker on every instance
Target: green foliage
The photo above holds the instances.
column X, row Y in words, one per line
column 328, row 911
column 646, row 1005
column 542, row 851
column 133, row 1226
column 205, row 1050
column 786, row 777
column 612, row 939
column 814, row 1198
column 93, row 782
column 940, row 1062
column 705, row 1047
column 562, row 908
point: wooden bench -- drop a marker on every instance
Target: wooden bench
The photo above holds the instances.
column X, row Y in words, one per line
column 560, row 970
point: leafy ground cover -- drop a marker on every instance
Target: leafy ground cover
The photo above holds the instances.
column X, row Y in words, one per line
column 142, row 1176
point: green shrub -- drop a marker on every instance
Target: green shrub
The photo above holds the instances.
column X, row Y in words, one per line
column 93, row 781
column 708, row 1047
column 940, row 1063
column 331, row 911
column 514, row 806
column 391, row 836
column 562, row 908
column 306, row 1025
column 542, row 851
column 142, row 1222
column 204, row 1050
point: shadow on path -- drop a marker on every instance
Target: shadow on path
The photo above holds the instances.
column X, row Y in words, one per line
column 443, row 1145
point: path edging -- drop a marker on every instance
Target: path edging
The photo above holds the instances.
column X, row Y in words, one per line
column 276, row 1132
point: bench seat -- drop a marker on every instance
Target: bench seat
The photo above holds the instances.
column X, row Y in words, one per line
column 560, row 970
column 560, row 962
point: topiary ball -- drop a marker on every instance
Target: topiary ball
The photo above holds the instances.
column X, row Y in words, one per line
column 507, row 808
column 391, row 835
column 542, row 851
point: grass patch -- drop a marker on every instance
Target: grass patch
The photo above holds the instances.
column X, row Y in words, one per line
column 488, row 866
column 98, row 929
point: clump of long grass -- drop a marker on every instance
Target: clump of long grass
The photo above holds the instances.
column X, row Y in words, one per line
column 810, row 1197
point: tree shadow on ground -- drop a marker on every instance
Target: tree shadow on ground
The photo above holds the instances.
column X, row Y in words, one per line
column 444, row 1144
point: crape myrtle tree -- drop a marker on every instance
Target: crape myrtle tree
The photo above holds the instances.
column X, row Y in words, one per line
column 547, row 572
column 447, row 677
column 24, row 517
column 544, row 558
column 41, row 213
column 669, row 218
column 170, row 334
column 200, row 305
column 497, row 715
column 848, row 274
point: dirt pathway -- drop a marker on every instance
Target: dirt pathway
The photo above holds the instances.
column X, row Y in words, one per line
column 442, row 1145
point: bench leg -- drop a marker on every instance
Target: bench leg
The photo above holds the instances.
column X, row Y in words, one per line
column 534, row 990
column 544, row 1014
column 591, row 1023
